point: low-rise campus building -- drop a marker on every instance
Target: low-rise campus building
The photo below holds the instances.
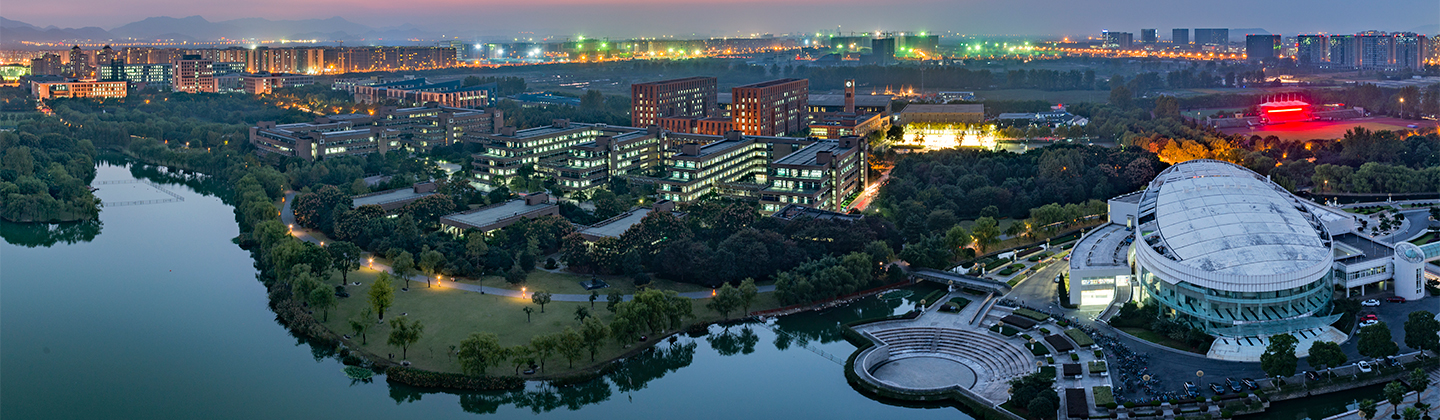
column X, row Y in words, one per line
column 499, row 215
column 390, row 128
column 419, row 91
column 391, row 200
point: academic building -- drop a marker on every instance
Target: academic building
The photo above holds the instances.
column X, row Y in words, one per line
column 418, row 128
column 684, row 97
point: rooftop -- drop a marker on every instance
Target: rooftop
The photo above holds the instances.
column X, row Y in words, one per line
column 1220, row 218
column 944, row 109
column 768, row 83
column 1105, row 246
column 486, row 216
column 382, row 197
column 806, row 156
column 1351, row 249
column 796, row 211
column 614, row 226
column 679, row 80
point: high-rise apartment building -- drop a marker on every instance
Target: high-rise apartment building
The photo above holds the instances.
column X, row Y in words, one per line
column 1149, row 36
column 194, row 75
column 684, row 97
column 47, row 64
column 1375, row 49
column 1180, row 36
column 1262, row 48
column 77, row 63
column 1409, row 50
column 882, row 50
column 1212, row 36
column 772, row 108
column 1344, row 51
column 1312, row 49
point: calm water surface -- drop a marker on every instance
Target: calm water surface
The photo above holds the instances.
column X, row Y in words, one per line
column 154, row 313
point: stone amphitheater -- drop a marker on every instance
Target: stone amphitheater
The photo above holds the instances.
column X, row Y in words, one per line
column 939, row 351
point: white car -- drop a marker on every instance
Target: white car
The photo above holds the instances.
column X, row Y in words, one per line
column 1364, row 366
column 1367, row 323
column 1370, row 302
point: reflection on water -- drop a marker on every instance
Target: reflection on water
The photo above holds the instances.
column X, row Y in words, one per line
column 31, row 235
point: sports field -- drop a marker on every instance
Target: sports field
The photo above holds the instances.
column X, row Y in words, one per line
column 1328, row 129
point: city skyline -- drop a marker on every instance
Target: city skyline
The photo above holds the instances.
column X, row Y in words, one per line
column 628, row 18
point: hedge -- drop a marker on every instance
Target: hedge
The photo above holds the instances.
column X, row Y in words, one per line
column 441, row 380
column 1031, row 314
column 933, row 296
column 1103, row 396
column 1079, row 337
column 1097, row 366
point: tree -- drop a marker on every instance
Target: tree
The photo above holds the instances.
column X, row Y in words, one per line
column 957, row 237
column 593, row 332
column 360, row 324
column 540, row 297
column 344, row 257
column 516, row 275
column 480, row 351
column 1375, row 341
column 1419, row 380
column 431, row 261
column 612, row 299
column 1279, row 357
column 986, row 232
column 382, row 295
column 1041, row 408
column 570, row 345
column 581, row 313
column 594, row 295
column 404, row 333
column 1368, row 409
column 1120, row 96
column 544, row 346
column 1411, row 413
column 726, row 299
column 747, row 293
column 404, row 267
column 1395, row 393
column 519, row 355
column 528, row 310
column 1420, row 329
column 323, row 298
column 895, row 133
column 1327, row 354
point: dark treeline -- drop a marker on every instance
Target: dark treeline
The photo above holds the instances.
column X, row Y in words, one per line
column 44, row 176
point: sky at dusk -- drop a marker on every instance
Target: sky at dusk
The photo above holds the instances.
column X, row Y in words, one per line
column 624, row 18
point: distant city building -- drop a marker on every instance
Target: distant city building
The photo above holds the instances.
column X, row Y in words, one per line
column 264, row 83
column 1149, row 36
column 684, row 97
column 1344, row 51
column 882, row 50
column 78, row 89
column 1375, row 49
column 1409, row 50
column 1212, row 36
column 1262, row 48
column 194, row 75
column 1312, row 49
column 77, row 64
column 47, row 64
column 1118, row 40
column 1180, row 36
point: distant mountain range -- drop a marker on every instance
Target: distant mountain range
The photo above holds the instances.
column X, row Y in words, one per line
column 196, row 28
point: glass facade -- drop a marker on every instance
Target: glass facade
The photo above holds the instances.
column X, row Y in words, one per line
column 1222, row 312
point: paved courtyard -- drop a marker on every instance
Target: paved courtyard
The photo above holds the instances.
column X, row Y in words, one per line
column 926, row 373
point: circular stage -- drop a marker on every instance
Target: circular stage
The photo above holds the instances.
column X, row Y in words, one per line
column 925, row 372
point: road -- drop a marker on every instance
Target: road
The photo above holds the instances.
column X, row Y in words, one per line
column 287, row 216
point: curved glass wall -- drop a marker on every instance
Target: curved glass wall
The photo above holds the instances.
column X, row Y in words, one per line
column 1228, row 313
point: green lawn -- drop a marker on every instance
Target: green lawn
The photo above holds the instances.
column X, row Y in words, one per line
column 568, row 283
column 450, row 315
column 1153, row 337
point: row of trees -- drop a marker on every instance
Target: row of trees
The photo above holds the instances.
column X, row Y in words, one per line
column 1373, row 342
column 45, row 178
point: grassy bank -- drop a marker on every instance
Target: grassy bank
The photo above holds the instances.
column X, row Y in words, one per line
column 1156, row 338
column 450, row 315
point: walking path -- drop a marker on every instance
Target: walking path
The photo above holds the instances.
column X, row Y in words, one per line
column 287, row 216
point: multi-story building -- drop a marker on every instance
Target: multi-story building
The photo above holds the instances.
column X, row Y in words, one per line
column 821, row 175
column 619, row 151
column 508, row 150
column 882, row 50
column 1149, row 36
column 1262, row 48
column 1180, row 37
column 770, row 108
column 684, row 97
column 848, row 120
column 194, row 75
column 47, row 64
column 1344, row 51
column 78, row 89
column 223, row 68
column 418, row 91
column 1375, row 49
column 1118, row 40
column 431, row 125
column 323, row 138
column 1312, row 49
column 264, row 83
column 158, row 74
column 77, row 64
column 1409, row 50
column 1212, row 36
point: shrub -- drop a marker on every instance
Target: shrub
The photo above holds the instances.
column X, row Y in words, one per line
column 1097, row 366
column 1038, row 349
column 550, row 264
column 1031, row 314
column 1074, row 357
column 1099, row 354
column 1044, row 330
column 1103, row 396
column 428, row 379
column 1080, row 338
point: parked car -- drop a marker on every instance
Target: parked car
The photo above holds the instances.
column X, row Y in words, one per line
column 1219, row 390
column 1395, row 299
column 1389, row 361
column 1368, row 322
column 1364, row 366
column 1250, row 383
column 1369, row 317
column 1233, row 384
column 1057, row 278
column 1191, row 389
column 1370, row 302
column 1312, row 375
